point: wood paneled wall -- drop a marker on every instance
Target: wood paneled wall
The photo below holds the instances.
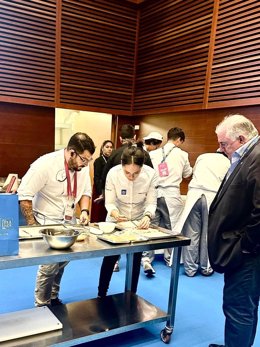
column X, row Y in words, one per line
column 130, row 58
column 27, row 54
column 172, row 55
column 235, row 77
column 98, row 42
column 27, row 132
column 199, row 127
column 70, row 54
column 197, row 55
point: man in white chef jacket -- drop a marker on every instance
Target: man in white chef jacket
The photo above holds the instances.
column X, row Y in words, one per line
column 172, row 165
column 152, row 142
column 48, row 194
column 208, row 173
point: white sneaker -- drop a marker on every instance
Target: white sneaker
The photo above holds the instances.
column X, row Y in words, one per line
column 148, row 269
column 116, row 267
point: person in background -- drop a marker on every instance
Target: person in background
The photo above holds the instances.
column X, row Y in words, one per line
column 130, row 194
column 208, row 173
column 152, row 141
column 48, row 194
column 172, row 165
column 161, row 218
column 98, row 210
column 234, row 230
column 127, row 135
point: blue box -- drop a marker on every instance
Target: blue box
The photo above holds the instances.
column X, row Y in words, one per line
column 9, row 224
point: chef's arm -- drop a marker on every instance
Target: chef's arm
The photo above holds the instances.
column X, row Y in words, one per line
column 27, row 211
column 84, row 204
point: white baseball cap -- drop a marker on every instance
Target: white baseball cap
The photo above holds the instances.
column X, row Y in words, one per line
column 154, row 135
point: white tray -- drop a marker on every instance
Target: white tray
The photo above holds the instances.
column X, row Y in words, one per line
column 27, row 322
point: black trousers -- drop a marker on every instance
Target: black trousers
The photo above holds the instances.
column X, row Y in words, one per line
column 106, row 272
column 240, row 302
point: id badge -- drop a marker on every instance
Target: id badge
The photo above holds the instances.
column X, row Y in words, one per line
column 163, row 169
column 69, row 209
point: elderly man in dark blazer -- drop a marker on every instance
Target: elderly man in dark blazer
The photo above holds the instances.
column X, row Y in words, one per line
column 234, row 230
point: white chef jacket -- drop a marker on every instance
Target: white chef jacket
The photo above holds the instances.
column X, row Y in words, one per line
column 131, row 198
column 208, row 173
column 45, row 184
column 178, row 164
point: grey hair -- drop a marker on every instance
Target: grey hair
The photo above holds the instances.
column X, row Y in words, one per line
column 235, row 126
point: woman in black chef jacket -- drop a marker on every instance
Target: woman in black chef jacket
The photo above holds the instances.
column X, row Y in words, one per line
column 98, row 211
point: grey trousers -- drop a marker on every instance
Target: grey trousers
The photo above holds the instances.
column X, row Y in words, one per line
column 195, row 255
column 161, row 219
column 48, row 282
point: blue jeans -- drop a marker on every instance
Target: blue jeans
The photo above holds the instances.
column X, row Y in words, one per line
column 240, row 302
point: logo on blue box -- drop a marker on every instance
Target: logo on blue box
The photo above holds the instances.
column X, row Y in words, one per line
column 6, row 223
column 9, row 224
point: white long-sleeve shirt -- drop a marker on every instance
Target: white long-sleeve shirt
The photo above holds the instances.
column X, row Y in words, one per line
column 131, row 198
column 178, row 165
column 208, row 173
column 45, row 184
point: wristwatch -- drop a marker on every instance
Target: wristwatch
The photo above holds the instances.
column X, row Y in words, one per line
column 148, row 214
column 86, row 210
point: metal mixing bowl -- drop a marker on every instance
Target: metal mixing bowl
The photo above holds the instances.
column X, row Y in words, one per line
column 59, row 238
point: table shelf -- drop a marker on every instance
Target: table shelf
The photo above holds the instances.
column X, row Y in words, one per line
column 97, row 318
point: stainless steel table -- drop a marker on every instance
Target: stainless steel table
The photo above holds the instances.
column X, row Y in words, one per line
column 93, row 319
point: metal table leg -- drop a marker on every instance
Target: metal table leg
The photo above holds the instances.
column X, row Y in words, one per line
column 168, row 330
column 129, row 271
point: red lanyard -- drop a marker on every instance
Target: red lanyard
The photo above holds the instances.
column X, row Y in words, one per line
column 69, row 191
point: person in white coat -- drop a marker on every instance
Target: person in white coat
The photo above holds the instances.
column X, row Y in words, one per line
column 208, row 173
column 152, row 142
column 130, row 194
column 48, row 194
column 172, row 165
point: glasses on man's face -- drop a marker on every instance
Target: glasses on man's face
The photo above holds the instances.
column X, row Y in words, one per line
column 85, row 161
column 225, row 144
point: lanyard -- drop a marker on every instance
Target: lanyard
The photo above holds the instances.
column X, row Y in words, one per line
column 69, row 191
column 165, row 156
column 105, row 159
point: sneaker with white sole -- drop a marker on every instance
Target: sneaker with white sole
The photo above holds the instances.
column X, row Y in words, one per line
column 148, row 269
column 116, row 267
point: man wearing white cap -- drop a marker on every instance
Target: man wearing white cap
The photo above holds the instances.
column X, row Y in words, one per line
column 172, row 165
column 153, row 141
column 162, row 219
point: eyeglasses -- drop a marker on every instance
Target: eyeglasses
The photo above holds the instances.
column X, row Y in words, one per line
column 225, row 144
column 85, row 161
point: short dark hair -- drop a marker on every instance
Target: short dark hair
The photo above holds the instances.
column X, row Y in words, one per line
column 127, row 131
column 133, row 154
column 176, row 133
column 80, row 142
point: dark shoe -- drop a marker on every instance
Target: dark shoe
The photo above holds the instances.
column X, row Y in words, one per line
column 101, row 296
column 56, row 302
column 148, row 269
column 116, row 267
column 214, row 345
column 207, row 273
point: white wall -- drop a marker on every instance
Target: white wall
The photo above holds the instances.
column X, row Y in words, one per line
column 68, row 122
